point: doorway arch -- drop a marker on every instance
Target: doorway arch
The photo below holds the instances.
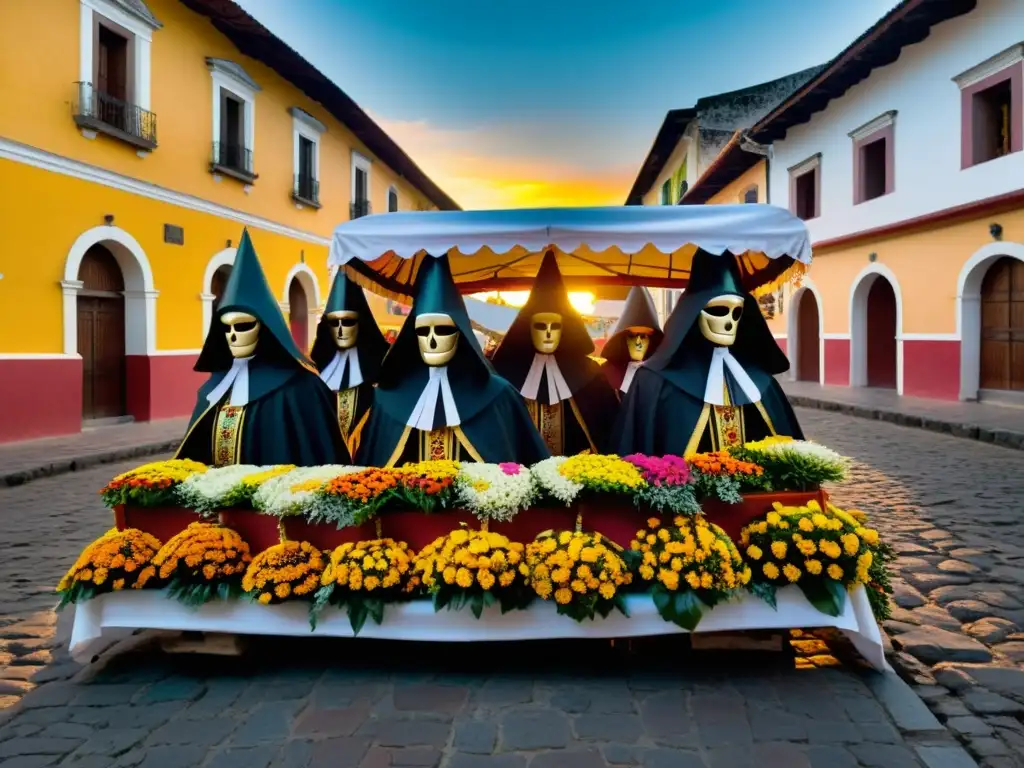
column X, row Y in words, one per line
column 805, row 334
column 876, row 329
column 101, row 334
column 218, row 268
column 301, row 301
column 972, row 324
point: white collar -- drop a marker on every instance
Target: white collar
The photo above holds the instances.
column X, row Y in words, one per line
column 237, row 380
column 334, row 373
column 558, row 389
column 714, row 391
column 422, row 416
column 631, row 370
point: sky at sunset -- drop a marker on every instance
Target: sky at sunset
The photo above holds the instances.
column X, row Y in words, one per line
column 517, row 103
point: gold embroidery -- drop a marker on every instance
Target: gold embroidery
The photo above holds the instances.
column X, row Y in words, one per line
column 438, row 445
column 728, row 432
column 698, row 431
column 346, row 411
column 227, row 435
column 357, row 433
column 548, row 420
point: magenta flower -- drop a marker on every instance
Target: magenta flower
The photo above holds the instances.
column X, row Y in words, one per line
column 661, row 470
column 511, row 468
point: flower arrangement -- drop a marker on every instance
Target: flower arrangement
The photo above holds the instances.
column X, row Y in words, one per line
column 668, row 484
column 292, row 493
column 552, row 484
column 289, row 570
column 602, row 474
column 690, row 565
column 427, row 485
column 824, row 552
column 794, row 465
column 116, row 560
column 363, row 577
column 354, row 498
column 474, row 568
column 223, row 487
column 495, row 491
column 151, row 485
column 582, row 572
column 719, row 475
column 203, row 562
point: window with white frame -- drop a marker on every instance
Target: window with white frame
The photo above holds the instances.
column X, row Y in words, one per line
column 991, row 109
column 360, row 205
column 114, row 71
column 874, row 158
column 306, row 133
column 234, row 120
column 805, row 188
column 392, row 199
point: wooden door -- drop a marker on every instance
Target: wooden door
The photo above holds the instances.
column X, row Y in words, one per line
column 808, row 347
column 298, row 314
column 881, row 340
column 101, row 334
column 1002, row 326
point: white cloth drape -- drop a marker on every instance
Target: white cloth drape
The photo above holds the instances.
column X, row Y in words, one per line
column 333, row 374
column 631, row 369
column 714, row 391
column 237, row 380
column 422, row 416
column 558, row 389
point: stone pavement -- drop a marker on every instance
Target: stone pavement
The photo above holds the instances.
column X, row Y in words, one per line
column 31, row 459
column 948, row 505
column 999, row 424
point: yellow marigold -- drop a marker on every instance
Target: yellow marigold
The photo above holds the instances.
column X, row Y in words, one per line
column 754, row 552
column 112, row 559
column 693, row 579
column 606, row 590
column 835, row 572
column 563, row 596
column 850, row 544
column 806, row 547
column 805, row 524
column 669, row 578
column 813, row 567
column 774, row 518
column 183, row 556
column 791, row 572
column 779, row 549
column 870, row 535
column 770, row 570
column 830, row 549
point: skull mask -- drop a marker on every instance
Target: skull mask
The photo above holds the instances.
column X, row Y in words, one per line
column 720, row 319
column 438, row 336
column 638, row 341
column 242, row 331
column 344, row 328
column 546, row 331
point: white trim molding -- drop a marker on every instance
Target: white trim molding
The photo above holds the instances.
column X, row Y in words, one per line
column 930, row 337
column 398, row 198
column 805, row 166
column 175, row 352
column 968, row 311
column 990, row 66
column 140, row 33
column 139, row 294
column 884, row 120
column 231, row 77
column 793, row 327
column 225, row 258
column 859, row 326
column 363, row 163
column 37, row 356
column 305, row 126
column 37, row 158
column 311, row 287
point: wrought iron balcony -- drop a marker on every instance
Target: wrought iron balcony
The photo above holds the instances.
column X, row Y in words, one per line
column 232, row 160
column 95, row 110
column 358, row 209
column 306, row 190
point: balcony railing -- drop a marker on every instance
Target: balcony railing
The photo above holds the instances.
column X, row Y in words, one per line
column 359, row 208
column 98, row 111
column 306, row 190
column 232, row 160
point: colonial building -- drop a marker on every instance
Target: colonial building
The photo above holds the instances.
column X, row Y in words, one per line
column 138, row 138
column 904, row 156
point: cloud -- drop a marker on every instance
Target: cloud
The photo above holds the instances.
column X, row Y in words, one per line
column 486, row 168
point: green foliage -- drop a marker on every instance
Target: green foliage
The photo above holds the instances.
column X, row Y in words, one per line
column 793, row 470
column 879, row 585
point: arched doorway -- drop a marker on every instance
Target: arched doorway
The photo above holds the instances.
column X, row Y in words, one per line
column 881, row 334
column 1002, row 326
column 101, row 334
column 218, row 283
column 808, row 339
column 298, row 314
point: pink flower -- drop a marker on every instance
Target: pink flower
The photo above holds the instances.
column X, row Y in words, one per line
column 664, row 470
column 511, row 468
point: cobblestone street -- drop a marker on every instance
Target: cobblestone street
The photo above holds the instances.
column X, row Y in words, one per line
column 950, row 506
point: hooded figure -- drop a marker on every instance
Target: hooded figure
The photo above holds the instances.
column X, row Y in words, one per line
column 437, row 396
column 263, row 403
column 711, row 384
column 348, row 351
column 635, row 338
column 545, row 355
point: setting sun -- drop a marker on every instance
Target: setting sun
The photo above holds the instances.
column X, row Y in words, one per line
column 582, row 301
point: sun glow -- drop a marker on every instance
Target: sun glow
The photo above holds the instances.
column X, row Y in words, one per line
column 582, row 301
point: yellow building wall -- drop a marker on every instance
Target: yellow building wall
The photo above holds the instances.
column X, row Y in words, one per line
column 734, row 191
column 44, row 213
column 40, row 41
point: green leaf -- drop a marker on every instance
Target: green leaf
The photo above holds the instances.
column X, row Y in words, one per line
column 357, row 614
column 459, row 600
column 662, row 599
column 376, row 609
column 489, row 598
column 620, row 602
column 765, row 592
column 827, row 595
column 686, row 611
column 476, row 604
column 441, row 599
column 224, row 591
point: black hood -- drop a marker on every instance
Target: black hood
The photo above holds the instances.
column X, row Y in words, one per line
column 639, row 312
column 372, row 346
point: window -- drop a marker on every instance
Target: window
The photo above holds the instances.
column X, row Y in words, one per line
column 392, row 199
column 114, row 72
column 804, row 188
column 234, row 120
column 991, row 109
column 360, row 205
column 666, row 192
column 873, row 158
column 750, row 196
column 306, row 133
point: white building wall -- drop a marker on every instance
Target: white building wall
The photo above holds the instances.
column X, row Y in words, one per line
column 920, row 87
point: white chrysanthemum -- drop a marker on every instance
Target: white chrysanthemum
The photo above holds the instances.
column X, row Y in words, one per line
column 490, row 494
column 280, row 495
column 552, row 482
column 806, row 448
column 207, row 491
